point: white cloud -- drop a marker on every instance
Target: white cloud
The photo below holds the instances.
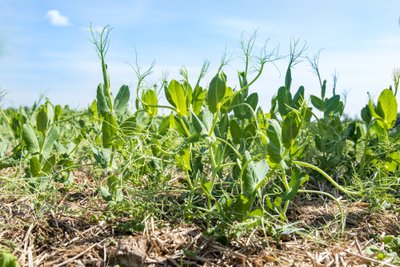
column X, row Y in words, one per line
column 57, row 19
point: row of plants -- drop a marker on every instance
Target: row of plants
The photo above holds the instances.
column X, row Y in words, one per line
column 210, row 155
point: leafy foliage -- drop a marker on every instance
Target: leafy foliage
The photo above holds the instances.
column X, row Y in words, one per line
column 214, row 154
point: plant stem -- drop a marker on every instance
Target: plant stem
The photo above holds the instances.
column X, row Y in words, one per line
column 330, row 179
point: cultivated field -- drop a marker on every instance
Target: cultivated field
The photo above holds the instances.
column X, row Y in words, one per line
column 212, row 180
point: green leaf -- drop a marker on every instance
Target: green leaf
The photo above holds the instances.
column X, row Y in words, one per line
column 216, row 91
column 236, row 132
column 102, row 156
column 207, row 186
column 176, row 97
column 221, row 130
column 30, row 139
column 93, row 111
column 298, row 98
column 207, row 118
column 333, row 105
column 114, row 187
column 183, row 158
column 198, row 99
column 290, row 128
column 372, row 110
column 150, row 98
column 199, row 125
column 318, row 103
column 387, row 108
column 7, row 259
column 284, row 99
column 57, row 112
column 109, row 128
column 297, row 179
column 48, row 143
column 102, row 104
column 392, row 162
column 35, row 167
column 239, row 110
column 288, row 79
column 105, row 194
column 219, row 154
column 252, row 100
column 257, row 213
column 48, row 164
column 250, row 131
column 122, row 99
column 366, row 114
column 226, row 107
column 243, row 81
column 253, row 174
column 323, row 89
column 42, row 120
column 177, row 124
column 188, row 92
column 241, row 206
column 274, row 148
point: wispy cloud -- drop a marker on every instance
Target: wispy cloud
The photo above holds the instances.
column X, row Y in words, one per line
column 56, row 18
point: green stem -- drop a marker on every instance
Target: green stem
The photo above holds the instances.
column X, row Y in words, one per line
column 213, row 163
column 184, row 126
column 245, row 87
column 330, row 179
column 287, row 188
column 112, row 156
column 215, row 120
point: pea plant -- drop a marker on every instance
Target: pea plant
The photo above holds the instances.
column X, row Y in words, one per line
column 206, row 151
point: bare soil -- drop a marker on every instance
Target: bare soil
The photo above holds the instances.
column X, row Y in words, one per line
column 70, row 233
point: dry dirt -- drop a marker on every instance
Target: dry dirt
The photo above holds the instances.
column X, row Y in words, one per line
column 69, row 236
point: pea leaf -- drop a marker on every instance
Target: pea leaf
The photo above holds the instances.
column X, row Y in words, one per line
column 122, row 99
column 35, row 166
column 366, row 114
column 102, row 104
column 252, row 100
column 235, row 130
column 387, row 108
column 333, row 105
column 290, row 128
column 42, row 120
column 216, row 91
column 284, row 99
column 49, row 141
column 274, row 147
column 197, row 99
column 8, row 260
column 109, row 128
column 150, row 98
column 297, row 179
column 288, row 78
column 318, row 103
column 298, row 98
column 199, row 125
column 253, row 174
column 30, row 139
column 176, row 97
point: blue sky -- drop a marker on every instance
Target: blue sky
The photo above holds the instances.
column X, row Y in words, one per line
column 45, row 46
